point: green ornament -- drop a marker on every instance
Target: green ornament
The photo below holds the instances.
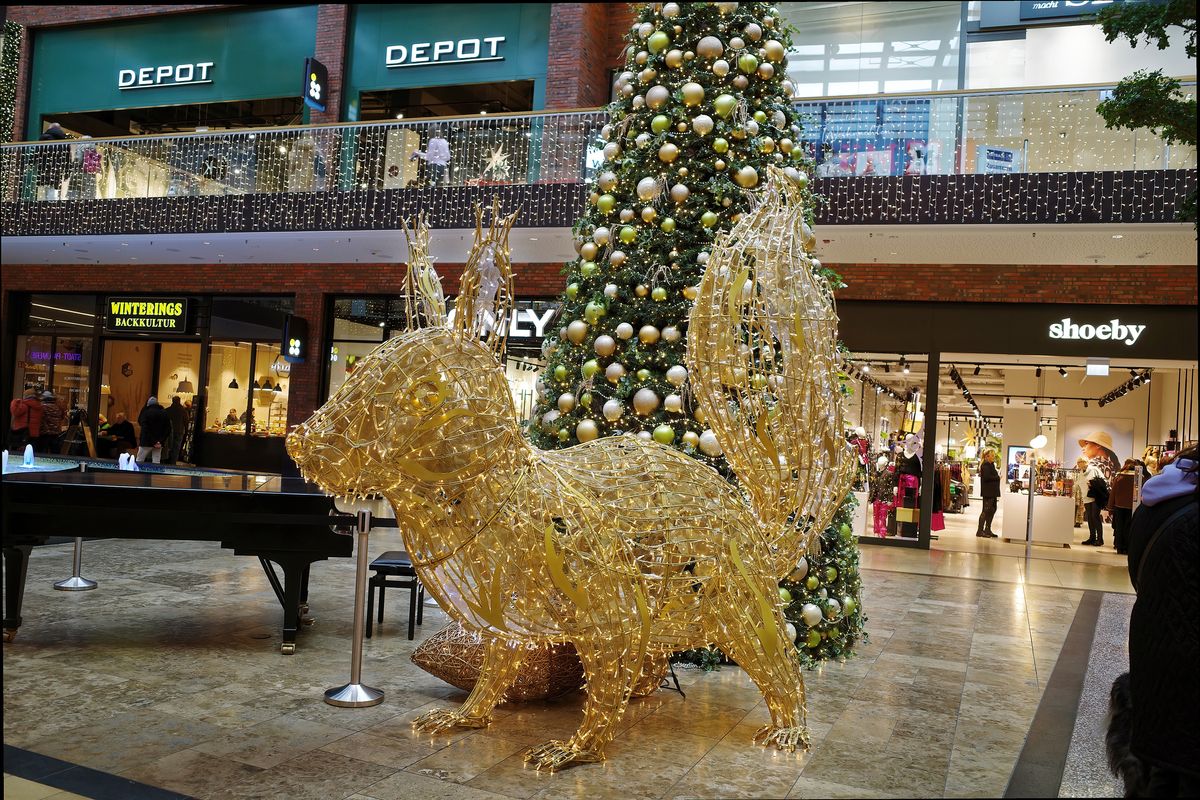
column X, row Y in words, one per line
column 659, row 294
column 811, row 583
column 587, row 269
column 660, row 123
column 606, row 203
column 560, row 373
column 593, row 311
column 659, row 40
column 643, row 374
column 709, row 218
column 563, row 434
column 760, row 117
column 831, row 574
column 849, row 606
column 845, row 530
column 590, row 368
column 667, row 225
column 747, row 63
column 814, row 639
column 725, row 104
column 664, row 434
column 572, row 290
column 585, row 399
column 628, row 234
column 720, row 145
column 785, row 595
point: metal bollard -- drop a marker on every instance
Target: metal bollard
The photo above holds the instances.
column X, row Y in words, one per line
column 76, row 583
column 354, row 694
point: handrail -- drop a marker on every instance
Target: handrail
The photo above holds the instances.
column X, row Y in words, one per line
column 1189, row 80
column 142, row 137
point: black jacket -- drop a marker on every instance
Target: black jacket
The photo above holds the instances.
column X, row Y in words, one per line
column 156, row 426
column 989, row 481
column 1164, row 636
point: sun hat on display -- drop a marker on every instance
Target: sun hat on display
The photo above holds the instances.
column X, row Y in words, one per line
column 1103, row 439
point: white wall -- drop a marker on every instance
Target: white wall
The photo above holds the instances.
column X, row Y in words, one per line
column 1057, row 55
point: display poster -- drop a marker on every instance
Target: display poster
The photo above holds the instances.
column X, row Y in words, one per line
column 1114, row 437
column 1018, row 463
column 992, row 160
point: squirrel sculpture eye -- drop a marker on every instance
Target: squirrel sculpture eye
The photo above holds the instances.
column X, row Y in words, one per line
column 426, row 396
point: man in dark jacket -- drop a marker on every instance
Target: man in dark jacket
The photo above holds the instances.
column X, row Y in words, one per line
column 178, row 415
column 156, row 431
column 989, row 490
column 1164, row 641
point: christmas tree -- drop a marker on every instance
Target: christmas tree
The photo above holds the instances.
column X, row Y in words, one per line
column 703, row 109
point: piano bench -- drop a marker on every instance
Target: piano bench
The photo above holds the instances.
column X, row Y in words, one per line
column 394, row 570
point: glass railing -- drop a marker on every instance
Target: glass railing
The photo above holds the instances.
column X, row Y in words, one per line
column 482, row 150
column 966, row 133
column 942, row 133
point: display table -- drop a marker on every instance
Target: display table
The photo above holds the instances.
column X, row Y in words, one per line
column 1053, row 519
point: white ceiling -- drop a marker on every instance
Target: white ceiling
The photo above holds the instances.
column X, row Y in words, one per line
column 1164, row 243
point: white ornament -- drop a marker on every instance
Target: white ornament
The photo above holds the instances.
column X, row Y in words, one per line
column 648, row 189
column 613, row 410
column 673, row 403
column 709, row 444
column 614, row 372
column 624, row 331
column 605, row 345
column 645, row 401
column 566, row 402
column 677, row 375
column 811, row 614
column 801, row 570
column 790, row 630
column 610, row 291
column 645, row 436
column 671, row 334
column 602, row 236
column 833, row 608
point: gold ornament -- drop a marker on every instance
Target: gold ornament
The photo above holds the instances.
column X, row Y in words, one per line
column 775, row 50
column 648, row 214
column 657, row 97
column 674, row 59
column 720, row 68
column 709, row 47
column 668, row 153
column 692, row 93
column 526, row 547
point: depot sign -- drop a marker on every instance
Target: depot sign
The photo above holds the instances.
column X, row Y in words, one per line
column 164, row 76
column 451, row 51
column 1114, row 331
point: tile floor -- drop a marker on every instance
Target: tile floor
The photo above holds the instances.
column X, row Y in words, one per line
column 170, row 674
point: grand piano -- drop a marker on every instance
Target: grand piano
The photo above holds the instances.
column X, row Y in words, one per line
column 279, row 520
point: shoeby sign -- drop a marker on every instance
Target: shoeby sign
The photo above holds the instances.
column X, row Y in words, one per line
column 146, row 314
column 1113, row 330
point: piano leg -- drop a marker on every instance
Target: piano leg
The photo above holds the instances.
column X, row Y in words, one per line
column 304, row 594
column 16, row 566
column 295, row 570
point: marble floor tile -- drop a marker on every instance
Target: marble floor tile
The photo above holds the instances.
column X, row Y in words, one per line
column 462, row 760
column 306, row 778
column 20, row 789
column 191, row 772
column 269, row 744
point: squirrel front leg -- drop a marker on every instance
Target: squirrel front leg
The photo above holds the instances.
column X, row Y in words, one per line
column 500, row 667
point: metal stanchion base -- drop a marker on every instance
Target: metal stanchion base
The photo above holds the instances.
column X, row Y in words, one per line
column 75, row 584
column 353, row 695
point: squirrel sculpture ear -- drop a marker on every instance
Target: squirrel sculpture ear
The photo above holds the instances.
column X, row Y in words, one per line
column 424, row 303
column 485, row 295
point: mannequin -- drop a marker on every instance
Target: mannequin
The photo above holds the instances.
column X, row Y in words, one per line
column 883, row 491
column 908, row 487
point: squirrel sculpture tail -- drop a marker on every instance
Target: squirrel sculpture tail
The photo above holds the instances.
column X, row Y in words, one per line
column 763, row 367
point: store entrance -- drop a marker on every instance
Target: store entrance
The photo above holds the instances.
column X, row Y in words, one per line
column 1039, row 419
column 133, row 371
column 272, row 112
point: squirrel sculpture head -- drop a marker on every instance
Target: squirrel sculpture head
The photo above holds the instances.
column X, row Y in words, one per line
column 431, row 406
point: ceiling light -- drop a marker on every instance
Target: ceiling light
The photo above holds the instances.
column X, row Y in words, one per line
column 1085, row 404
column 1146, row 378
column 400, row 115
column 1038, row 374
column 906, row 368
column 887, row 367
column 1062, row 372
column 866, row 367
column 976, row 372
column 1118, row 236
column 1133, row 373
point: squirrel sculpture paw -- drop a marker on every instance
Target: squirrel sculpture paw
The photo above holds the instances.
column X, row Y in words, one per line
column 554, row 754
column 445, row 719
column 788, row 738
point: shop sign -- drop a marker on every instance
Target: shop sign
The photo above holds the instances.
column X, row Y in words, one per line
column 1049, row 9
column 164, row 76
column 140, row 314
column 461, row 51
column 997, row 160
column 526, row 322
column 316, row 83
column 44, row 356
column 1114, row 331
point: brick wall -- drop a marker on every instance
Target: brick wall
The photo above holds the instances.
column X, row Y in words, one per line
column 330, row 50
column 585, row 43
column 1035, row 283
column 309, row 283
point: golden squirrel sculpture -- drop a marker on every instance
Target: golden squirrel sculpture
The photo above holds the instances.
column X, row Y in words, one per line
column 629, row 549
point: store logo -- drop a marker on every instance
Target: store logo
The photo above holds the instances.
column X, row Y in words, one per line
column 462, row 51
column 168, row 75
column 517, row 321
column 1113, row 331
column 135, row 314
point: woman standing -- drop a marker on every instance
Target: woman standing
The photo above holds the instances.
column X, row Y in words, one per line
column 989, row 490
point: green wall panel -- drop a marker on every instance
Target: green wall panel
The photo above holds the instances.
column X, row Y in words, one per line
column 375, row 28
column 256, row 53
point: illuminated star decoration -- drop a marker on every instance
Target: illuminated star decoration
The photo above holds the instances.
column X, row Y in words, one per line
column 497, row 163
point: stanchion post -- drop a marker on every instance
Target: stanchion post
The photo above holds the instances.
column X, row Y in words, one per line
column 354, row 694
column 76, row 583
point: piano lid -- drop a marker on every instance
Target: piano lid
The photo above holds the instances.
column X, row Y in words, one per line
column 227, row 482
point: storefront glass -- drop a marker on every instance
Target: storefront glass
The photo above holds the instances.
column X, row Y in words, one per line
column 269, row 395
column 229, row 386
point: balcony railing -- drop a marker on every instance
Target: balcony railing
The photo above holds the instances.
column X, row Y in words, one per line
column 1052, row 145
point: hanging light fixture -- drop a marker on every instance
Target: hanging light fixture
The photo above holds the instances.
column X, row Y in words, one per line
column 233, row 384
column 278, row 388
column 185, row 387
column 266, row 384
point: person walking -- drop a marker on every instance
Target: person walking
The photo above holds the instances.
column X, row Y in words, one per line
column 1153, row 739
column 156, row 431
column 1120, row 504
column 178, row 415
column 26, row 425
column 436, row 157
column 53, row 420
column 989, row 490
